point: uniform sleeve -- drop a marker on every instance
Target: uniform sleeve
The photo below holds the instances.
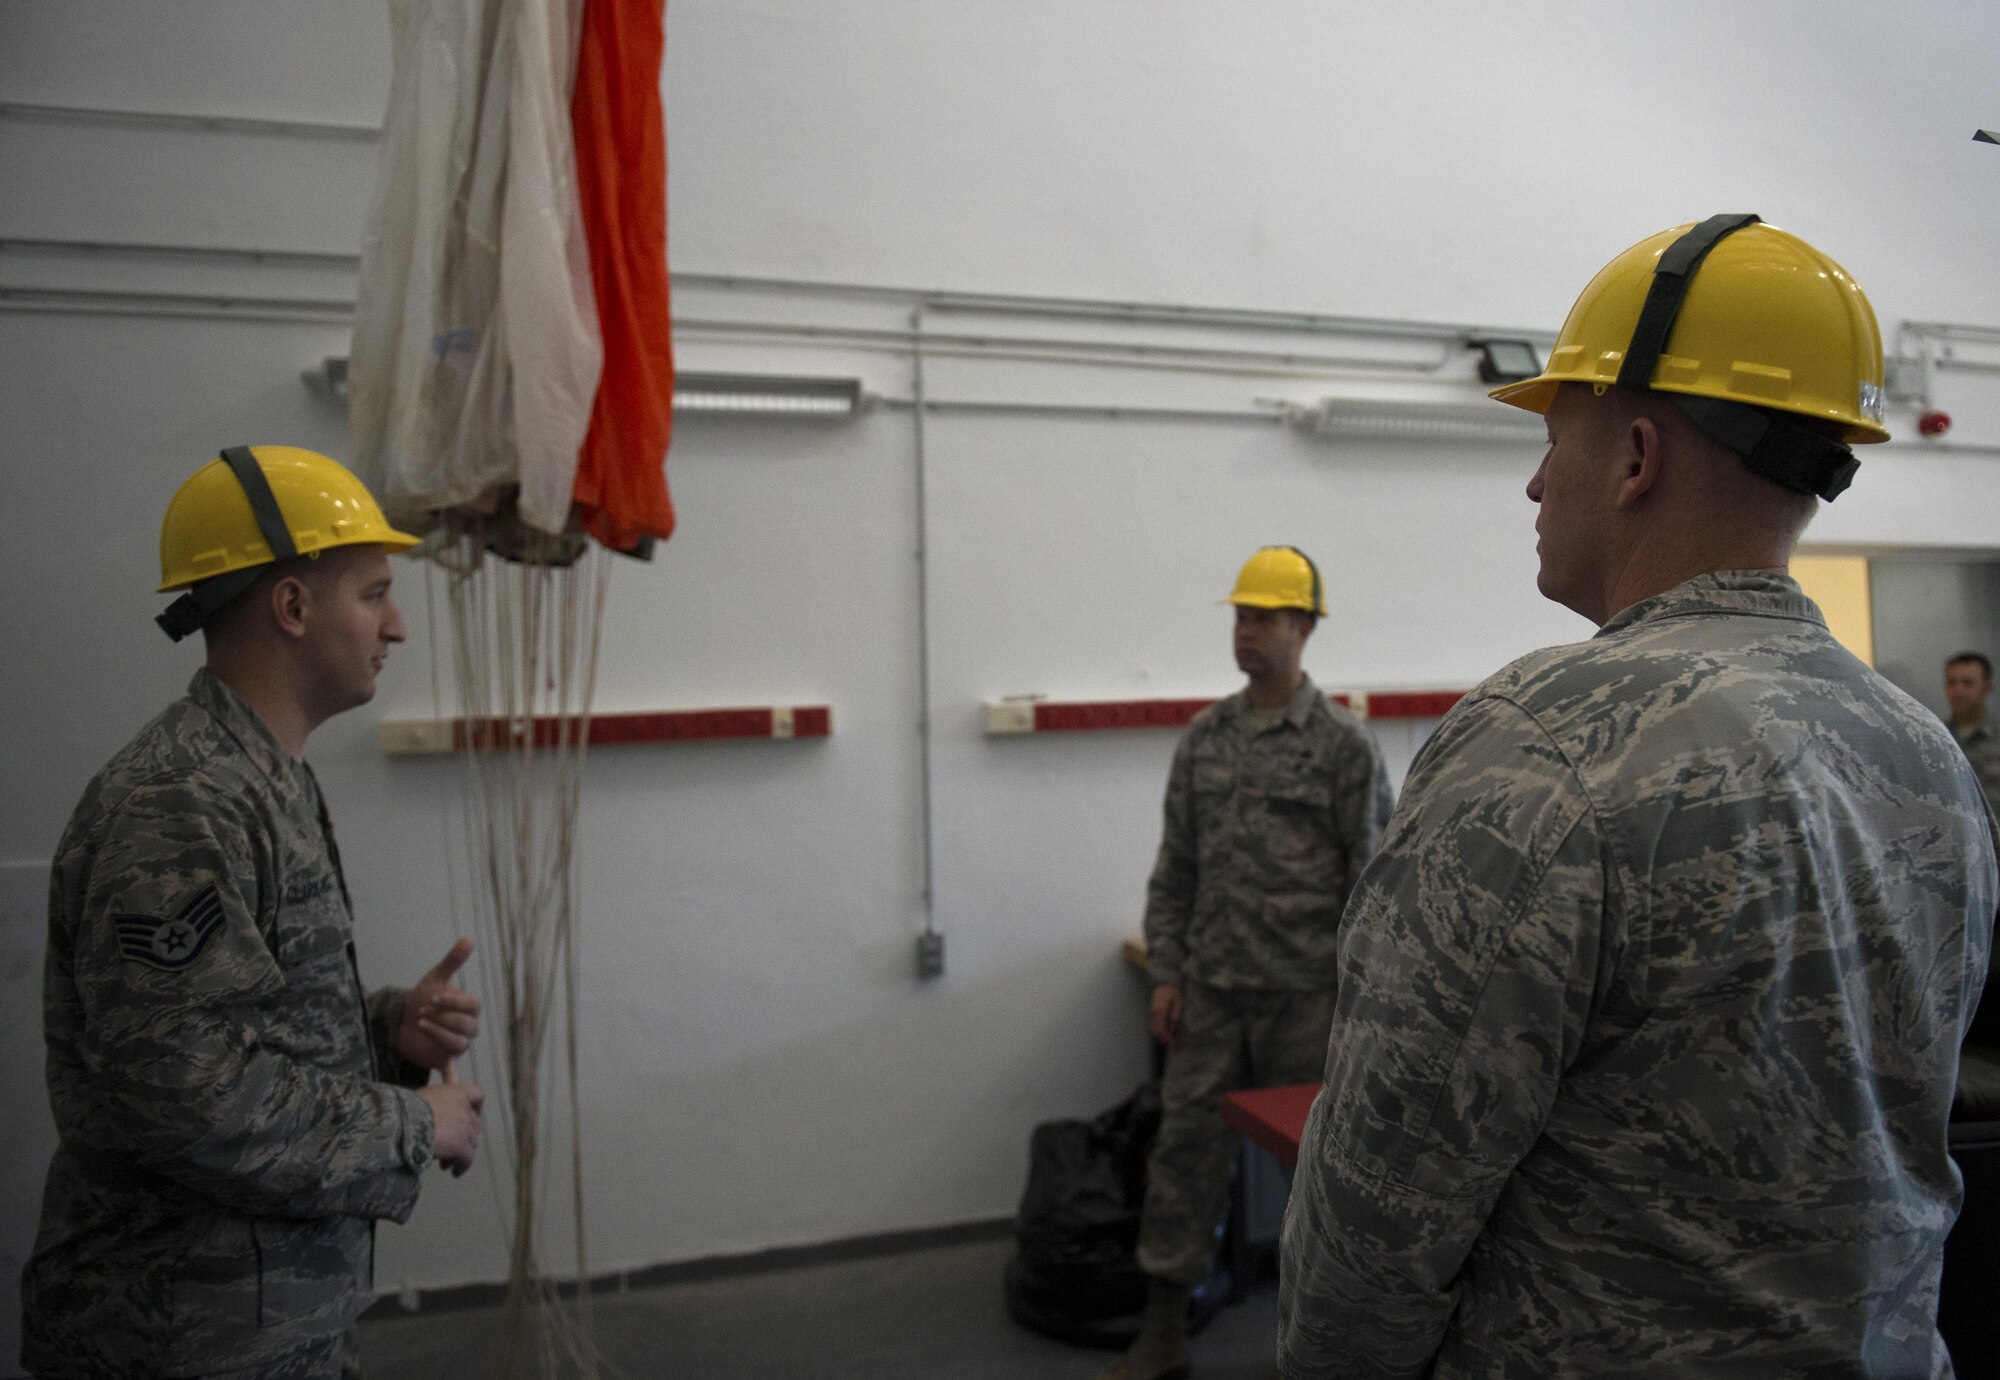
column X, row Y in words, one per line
column 193, row 1077
column 1361, row 803
column 1170, row 893
column 1468, row 962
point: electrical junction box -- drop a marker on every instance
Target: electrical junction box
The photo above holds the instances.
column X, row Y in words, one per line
column 930, row 955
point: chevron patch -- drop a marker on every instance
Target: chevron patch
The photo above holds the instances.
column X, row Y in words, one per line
column 173, row 943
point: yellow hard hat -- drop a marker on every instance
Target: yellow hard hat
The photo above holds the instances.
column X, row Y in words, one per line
column 253, row 506
column 1743, row 323
column 1280, row 577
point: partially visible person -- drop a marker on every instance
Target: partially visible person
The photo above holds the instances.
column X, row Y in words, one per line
column 1968, row 685
column 1650, row 1007
column 1275, row 801
column 233, row 1113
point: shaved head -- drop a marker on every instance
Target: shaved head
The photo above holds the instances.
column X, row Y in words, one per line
column 1737, row 493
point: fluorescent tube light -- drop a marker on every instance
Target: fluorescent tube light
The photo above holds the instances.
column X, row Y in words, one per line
column 1418, row 421
column 768, row 395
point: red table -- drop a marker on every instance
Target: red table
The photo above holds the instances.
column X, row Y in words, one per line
column 1274, row 1118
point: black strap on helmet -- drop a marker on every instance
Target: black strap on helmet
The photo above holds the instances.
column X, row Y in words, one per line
column 263, row 503
column 194, row 608
column 1669, row 289
column 1782, row 451
column 1318, row 598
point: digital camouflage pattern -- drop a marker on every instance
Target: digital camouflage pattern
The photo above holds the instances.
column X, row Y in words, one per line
column 1648, row 1020
column 1229, row 1038
column 1982, row 749
column 213, row 1068
column 1269, row 819
column 1266, row 830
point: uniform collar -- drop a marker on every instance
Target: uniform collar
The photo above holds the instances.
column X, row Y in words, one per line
column 236, row 718
column 1755, row 593
column 1301, row 703
column 1296, row 709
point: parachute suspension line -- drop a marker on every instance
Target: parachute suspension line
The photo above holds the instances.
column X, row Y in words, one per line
column 525, row 636
column 598, row 571
column 452, row 832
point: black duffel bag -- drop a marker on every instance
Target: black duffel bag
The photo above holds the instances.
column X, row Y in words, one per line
column 1073, row 1275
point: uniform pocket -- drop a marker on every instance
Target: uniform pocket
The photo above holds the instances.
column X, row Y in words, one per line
column 313, row 1268
column 1290, row 779
column 312, row 934
column 1213, row 774
column 315, row 1018
column 1298, row 793
column 1213, row 787
column 217, row 1288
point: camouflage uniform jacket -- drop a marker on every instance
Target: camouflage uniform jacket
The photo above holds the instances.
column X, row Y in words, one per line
column 1982, row 748
column 1648, row 1020
column 212, row 1065
column 1265, row 833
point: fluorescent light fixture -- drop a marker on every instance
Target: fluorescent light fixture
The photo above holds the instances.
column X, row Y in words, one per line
column 1384, row 419
column 1505, row 361
column 768, row 395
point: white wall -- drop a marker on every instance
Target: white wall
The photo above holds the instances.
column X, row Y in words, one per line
column 760, row 1067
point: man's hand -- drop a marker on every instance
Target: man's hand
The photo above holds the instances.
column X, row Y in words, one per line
column 439, row 1021
column 1165, row 1016
column 455, row 1107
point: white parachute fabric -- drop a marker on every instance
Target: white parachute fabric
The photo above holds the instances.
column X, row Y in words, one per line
column 476, row 350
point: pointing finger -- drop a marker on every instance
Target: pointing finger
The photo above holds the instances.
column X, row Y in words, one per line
column 453, row 960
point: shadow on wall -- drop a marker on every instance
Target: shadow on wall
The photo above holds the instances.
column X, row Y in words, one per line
column 27, row 1134
column 915, row 1116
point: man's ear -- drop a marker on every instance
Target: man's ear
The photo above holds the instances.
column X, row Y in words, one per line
column 291, row 600
column 1640, row 453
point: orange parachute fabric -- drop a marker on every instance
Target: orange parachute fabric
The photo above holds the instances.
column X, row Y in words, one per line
column 621, row 155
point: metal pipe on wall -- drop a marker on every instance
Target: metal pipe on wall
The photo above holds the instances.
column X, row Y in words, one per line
column 1095, row 411
column 173, row 119
column 934, row 300
column 930, row 948
column 202, row 306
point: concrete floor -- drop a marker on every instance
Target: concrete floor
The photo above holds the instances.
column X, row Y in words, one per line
column 935, row 1313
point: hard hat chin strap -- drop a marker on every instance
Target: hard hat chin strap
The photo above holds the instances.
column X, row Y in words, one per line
column 1782, row 451
column 193, row 609
column 187, row 614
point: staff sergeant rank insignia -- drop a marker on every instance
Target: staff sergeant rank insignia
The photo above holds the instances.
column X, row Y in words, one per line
column 174, row 943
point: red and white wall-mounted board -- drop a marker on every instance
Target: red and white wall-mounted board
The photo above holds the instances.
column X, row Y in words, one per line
column 407, row 736
column 1071, row 716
